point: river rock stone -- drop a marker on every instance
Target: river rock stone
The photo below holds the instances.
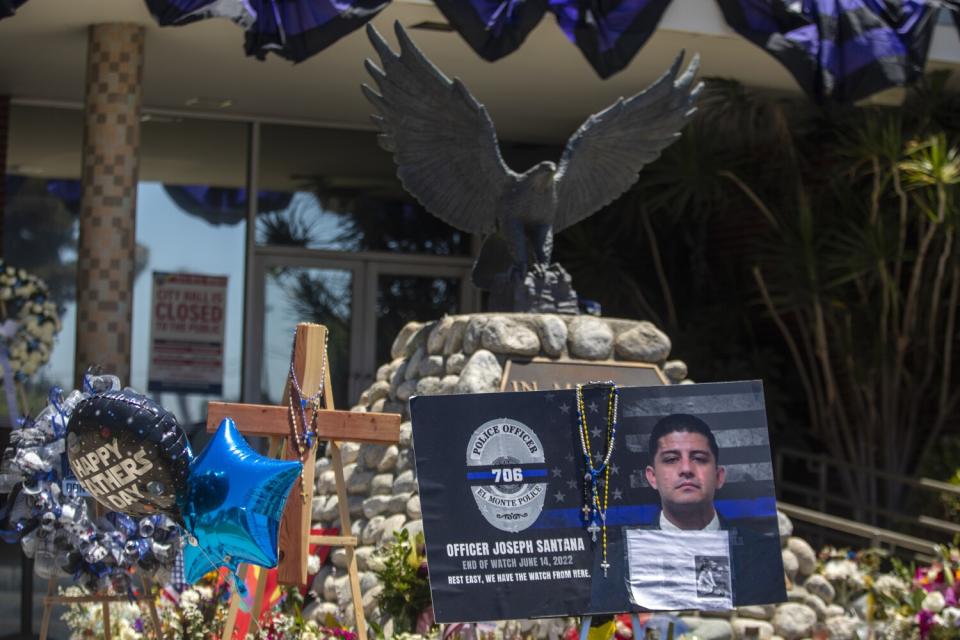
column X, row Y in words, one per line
column 331, row 508
column 438, row 336
column 454, row 341
column 400, row 342
column 373, row 530
column 418, row 339
column 710, row 628
column 842, row 627
column 379, row 389
column 643, row 343
column 431, row 366
column 590, row 338
column 501, row 335
column 757, row 611
column 349, row 451
column 382, row 484
column 316, row 507
column 448, row 384
column 339, row 558
column 370, row 454
column 359, row 482
column 369, row 599
column 383, row 373
column 794, row 620
column 413, row 507
column 820, row 586
column 398, row 503
column 785, row 527
column 397, row 378
column 406, row 390
column 455, row 363
column 413, row 365
column 553, row 335
column 406, row 434
column 319, row 610
column 355, row 506
column 405, row 482
column 675, row 370
column 806, row 556
column 481, row 373
column 790, row 564
column 327, row 482
column 375, row 505
column 391, row 525
column 834, row 610
column 404, row 461
column 363, row 557
column 818, row 606
column 389, row 458
column 471, row 335
column 429, row 386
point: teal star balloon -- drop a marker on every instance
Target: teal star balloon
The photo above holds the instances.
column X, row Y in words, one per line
column 233, row 504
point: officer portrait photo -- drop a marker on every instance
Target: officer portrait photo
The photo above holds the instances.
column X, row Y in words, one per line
column 690, row 554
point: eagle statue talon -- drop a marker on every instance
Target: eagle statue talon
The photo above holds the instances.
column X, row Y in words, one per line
column 448, row 158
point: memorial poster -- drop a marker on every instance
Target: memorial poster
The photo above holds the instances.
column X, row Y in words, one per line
column 505, row 493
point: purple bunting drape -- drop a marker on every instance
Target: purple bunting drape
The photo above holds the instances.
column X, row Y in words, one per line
column 840, row 50
column 9, row 7
column 292, row 29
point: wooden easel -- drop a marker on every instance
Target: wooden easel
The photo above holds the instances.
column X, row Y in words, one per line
column 51, row 599
column 336, row 426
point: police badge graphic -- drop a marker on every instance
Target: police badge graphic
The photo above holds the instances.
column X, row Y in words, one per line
column 507, row 473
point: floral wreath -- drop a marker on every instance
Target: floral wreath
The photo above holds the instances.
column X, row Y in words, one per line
column 29, row 321
column 46, row 509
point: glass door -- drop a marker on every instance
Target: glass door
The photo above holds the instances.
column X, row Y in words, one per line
column 290, row 290
column 364, row 299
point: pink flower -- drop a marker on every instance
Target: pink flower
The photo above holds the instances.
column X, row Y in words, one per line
column 925, row 620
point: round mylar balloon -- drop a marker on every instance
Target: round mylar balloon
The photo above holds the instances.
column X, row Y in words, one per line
column 129, row 453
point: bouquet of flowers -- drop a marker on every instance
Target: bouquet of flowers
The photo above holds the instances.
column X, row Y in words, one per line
column 936, row 591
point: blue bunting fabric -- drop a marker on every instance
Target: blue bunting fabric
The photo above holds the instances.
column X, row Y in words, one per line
column 9, row 7
column 493, row 28
column 840, row 51
column 608, row 33
column 291, row 29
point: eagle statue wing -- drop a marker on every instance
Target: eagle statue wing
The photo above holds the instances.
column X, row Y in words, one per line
column 602, row 159
column 442, row 139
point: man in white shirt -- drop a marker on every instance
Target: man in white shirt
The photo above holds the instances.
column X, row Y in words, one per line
column 684, row 469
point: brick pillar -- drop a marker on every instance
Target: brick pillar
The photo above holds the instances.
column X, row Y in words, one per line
column 111, row 160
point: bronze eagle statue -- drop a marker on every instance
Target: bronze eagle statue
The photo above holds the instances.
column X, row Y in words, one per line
column 448, row 158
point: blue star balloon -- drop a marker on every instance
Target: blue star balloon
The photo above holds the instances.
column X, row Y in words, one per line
column 233, row 504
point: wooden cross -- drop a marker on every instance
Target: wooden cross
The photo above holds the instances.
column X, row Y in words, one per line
column 274, row 422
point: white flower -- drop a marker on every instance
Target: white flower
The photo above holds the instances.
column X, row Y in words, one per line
column 189, row 599
column 934, row 602
column 841, row 570
column 890, row 586
column 951, row 616
column 308, row 635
